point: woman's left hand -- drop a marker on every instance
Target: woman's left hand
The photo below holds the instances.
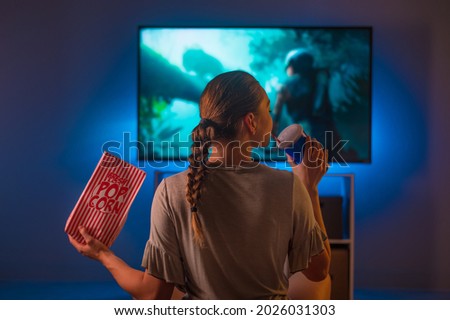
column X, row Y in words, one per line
column 314, row 164
column 92, row 249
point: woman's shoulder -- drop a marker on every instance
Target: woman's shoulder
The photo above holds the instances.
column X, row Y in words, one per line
column 171, row 185
column 259, row 171
column 277, row 178
column 276, row 173
column 174, row 178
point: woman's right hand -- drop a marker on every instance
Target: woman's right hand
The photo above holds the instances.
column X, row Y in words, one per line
column 313, row 166
column 92, row 249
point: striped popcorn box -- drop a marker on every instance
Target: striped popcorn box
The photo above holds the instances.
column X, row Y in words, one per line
column 104, row 204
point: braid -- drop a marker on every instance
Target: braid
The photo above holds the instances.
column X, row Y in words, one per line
column 197, row 173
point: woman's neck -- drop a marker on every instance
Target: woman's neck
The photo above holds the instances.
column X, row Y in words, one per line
column 234, row 153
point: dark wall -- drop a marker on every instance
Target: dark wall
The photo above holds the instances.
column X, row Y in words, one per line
column 68, row 75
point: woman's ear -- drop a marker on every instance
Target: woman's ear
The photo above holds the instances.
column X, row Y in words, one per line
column 250, row 122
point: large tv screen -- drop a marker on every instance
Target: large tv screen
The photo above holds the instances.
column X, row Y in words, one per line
column 317, row 77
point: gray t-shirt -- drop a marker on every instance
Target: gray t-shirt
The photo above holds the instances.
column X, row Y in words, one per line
column 252, row 219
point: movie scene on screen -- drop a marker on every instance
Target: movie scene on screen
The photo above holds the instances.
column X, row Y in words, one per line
column 319, row 78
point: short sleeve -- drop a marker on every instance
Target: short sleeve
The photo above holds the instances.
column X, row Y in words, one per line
column 307, row 236
column 162, row 256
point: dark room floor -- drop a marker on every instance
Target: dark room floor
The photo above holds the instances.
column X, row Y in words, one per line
column 111, row 291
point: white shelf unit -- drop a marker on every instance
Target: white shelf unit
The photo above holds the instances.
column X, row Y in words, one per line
column 334, row 186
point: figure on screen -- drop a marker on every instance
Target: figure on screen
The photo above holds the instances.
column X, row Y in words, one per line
column 305, row 96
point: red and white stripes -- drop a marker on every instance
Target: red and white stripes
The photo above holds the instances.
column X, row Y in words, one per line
column 102, row 221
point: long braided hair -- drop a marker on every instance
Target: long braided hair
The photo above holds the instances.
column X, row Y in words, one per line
column 226, row 99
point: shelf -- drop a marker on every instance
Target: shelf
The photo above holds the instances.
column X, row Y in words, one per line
column 336, row 192
column 340, row 241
